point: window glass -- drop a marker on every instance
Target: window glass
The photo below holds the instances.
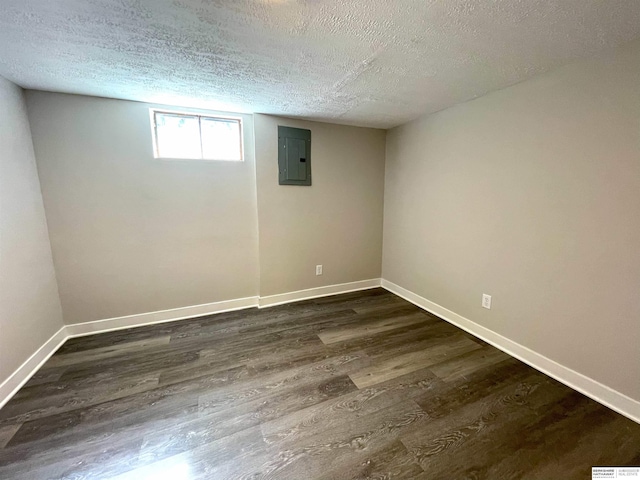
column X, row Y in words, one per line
column 220, row 139
column 190, row 136
column 178, row 136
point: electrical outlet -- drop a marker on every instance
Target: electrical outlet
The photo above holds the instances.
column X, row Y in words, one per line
column 318, row 269
column 486, row 301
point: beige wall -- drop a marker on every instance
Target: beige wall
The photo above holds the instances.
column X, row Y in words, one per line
column 29, row 306
column 530, row 194
column 131, row 234
column 336, row 222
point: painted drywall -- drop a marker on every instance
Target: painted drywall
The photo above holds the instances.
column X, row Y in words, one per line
column 336, row 222
column 30, row 310
column 131, row 234
column 530, row 194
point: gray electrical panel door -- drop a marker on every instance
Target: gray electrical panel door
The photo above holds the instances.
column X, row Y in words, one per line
column 294, row 156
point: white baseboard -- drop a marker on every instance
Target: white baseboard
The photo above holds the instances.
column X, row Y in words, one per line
column 152, row 318
column 607, row 396
column 589, row 387
column 272, row 300
column 11, row 385
column 161, row 316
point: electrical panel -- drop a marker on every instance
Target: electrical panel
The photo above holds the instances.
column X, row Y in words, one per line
column 294, row 156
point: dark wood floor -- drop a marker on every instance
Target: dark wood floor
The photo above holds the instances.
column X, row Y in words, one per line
column 361, row 385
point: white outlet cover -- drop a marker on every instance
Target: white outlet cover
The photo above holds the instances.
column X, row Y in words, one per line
column 318, row 269
column 486, row 301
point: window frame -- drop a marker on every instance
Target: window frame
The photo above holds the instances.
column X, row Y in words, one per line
column 200, row 115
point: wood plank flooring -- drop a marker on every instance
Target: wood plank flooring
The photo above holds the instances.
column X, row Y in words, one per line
column 355, row 386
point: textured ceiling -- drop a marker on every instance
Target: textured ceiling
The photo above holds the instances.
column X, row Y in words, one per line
column 365, row 62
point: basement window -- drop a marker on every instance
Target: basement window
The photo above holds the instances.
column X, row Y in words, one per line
column 196, row 137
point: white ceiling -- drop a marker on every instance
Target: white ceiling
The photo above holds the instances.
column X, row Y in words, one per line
column 373, row 63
